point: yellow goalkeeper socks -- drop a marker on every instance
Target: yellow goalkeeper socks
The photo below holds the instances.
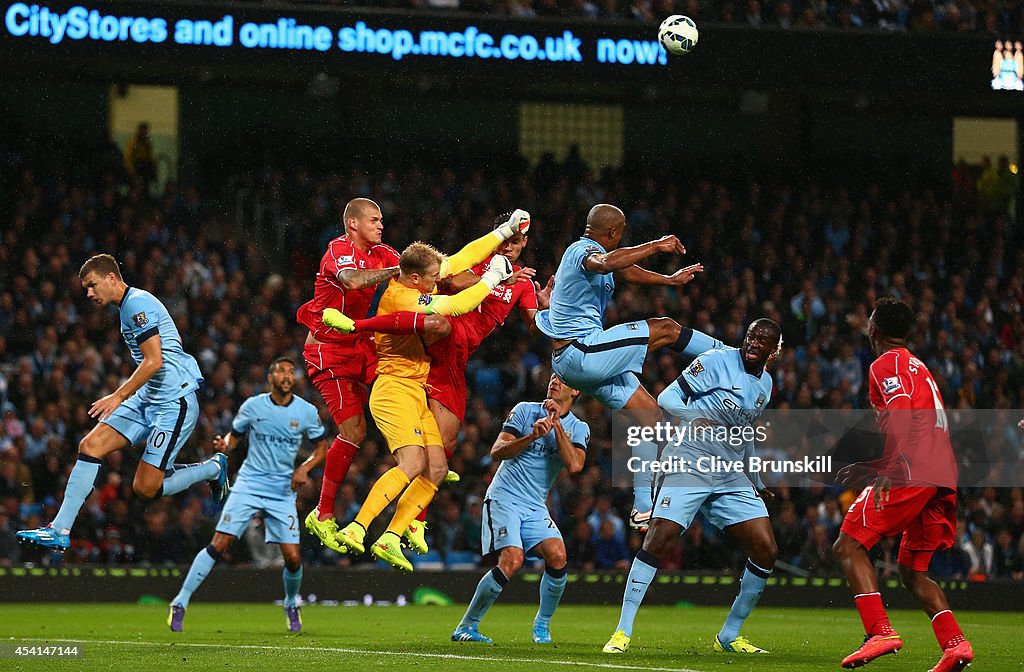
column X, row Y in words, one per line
column 416, row 498
column 386, row 490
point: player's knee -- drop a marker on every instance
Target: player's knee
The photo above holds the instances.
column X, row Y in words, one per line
column 555, row 558
column 510, row 561
column 221, row 541
column 292, row 559
column 412, row 462
column 657, row 540
column 911, row 578
column 147, row 490
column 664, row 331
column 844, row 546
column 352, row 432
column 664, row 327
column 765, row 553
column 89, row 446
column 437, row 472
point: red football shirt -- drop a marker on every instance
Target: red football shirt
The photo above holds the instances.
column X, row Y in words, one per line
column 495, row 308
column 328, row 292
column 913, row 418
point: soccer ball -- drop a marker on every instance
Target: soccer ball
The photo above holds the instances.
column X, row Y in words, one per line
column 678, row 34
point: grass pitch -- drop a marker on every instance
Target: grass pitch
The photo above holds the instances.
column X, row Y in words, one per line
column 252, row 637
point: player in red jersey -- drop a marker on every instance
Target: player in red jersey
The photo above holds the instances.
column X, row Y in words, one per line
column 341, row 366
column 450, row 356
column 914, row 493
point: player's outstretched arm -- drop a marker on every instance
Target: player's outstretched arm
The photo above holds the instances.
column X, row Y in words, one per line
column 498, row 270
column 624, row 257
column 478, row 250
column 152, row 360
column 635, row 275
column 354, row 278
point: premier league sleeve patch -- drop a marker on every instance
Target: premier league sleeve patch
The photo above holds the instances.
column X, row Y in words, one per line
column 140, row 320
column 890, row 385
column 695, row 369
column 424, row 300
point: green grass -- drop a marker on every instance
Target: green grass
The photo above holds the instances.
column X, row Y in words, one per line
column 252, row 637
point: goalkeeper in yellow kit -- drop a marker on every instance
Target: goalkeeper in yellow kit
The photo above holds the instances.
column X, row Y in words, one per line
column 398, row 401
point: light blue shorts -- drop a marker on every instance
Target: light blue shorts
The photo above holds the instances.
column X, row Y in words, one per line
column 505, row 524
column 723, row 502
column 165, row 427
column 280, row 517
column 604, row 363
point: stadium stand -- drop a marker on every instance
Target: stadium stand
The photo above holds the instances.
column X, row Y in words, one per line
column 808, row 253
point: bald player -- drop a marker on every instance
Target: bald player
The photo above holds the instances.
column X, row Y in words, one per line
column 604, row 362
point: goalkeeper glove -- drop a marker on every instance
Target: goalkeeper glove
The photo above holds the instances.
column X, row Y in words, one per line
column 517, row 222
column 499, row 269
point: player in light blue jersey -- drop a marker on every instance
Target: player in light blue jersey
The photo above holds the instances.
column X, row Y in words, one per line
column 723, row 390
column 604, row 363
column 275, row 423
column 157, row 405
column 536, row 442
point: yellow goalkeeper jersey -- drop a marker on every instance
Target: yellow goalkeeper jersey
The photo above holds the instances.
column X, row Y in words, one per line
column 402, row 355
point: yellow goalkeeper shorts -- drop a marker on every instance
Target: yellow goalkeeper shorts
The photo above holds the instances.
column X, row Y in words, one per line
column 399, row 407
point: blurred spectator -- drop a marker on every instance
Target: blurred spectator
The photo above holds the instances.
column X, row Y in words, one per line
column 580, row 548
column 788, row 534
column 158, row 543
column 610, row 551
column 604, row 513
column 1008, row 563
column 980, row 555
column 140, row 156
column 10, row 551
column 816, row 554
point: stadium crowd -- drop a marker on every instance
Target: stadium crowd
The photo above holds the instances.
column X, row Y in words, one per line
column 810, row 255
column 951, row 16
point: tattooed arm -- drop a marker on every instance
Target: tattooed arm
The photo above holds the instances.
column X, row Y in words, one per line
column 351, row 278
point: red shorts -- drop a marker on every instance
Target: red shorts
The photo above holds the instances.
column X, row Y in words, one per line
column 341, row 373
column 926, row 516
column 448, row 360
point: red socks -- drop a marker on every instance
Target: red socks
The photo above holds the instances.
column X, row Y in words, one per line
column 402, row 322
column 339, row 459
column 872, row 614
column 947, row 630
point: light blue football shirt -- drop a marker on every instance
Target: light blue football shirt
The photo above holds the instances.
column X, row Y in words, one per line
column 142, row 317
column 275, row 434
column 715, row 386
column 527, row 478
column 580, row 297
